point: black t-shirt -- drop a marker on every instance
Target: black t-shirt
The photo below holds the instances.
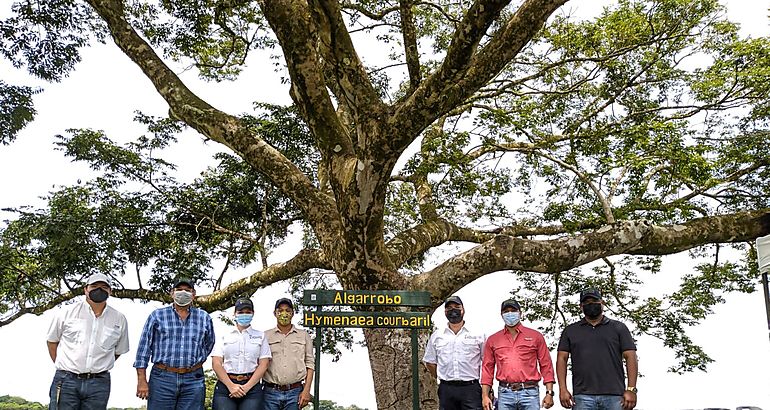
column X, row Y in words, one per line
column 597, row 355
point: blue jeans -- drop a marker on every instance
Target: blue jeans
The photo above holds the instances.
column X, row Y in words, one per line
column 598, row 402
column 68, row 392
column 172, row 391
column 274, row 399
column 222, row 400
column 524, row 399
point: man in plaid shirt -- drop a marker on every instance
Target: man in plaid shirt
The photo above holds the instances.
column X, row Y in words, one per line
column 178, row 339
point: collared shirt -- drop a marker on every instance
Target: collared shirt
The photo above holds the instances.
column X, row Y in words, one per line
column 597, row 355
column 174, row 342
column 456, row 356
column 292, row 356
column 517, row 359
column 87, row 343
column 241, row 351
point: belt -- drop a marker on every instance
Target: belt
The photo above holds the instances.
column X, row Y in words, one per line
column 282, row 387
column 85, row 376
column 459, row 382
column 239, row 377
column 178, row 370
column 518, row 385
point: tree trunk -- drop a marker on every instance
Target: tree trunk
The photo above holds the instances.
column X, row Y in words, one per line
column 390, row 355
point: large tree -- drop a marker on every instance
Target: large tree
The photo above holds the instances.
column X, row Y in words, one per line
column 540, row 141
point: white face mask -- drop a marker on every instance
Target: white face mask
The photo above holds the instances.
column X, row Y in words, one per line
column 183, row 297
column 511, row 318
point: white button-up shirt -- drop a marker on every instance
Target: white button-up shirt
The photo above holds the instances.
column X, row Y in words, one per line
column 88, row 344
column 241, row 351
column 456, row 356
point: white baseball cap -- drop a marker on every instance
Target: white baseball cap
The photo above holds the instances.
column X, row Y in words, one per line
column 98, row 277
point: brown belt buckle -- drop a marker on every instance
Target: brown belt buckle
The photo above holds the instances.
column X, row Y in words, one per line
column 239, row 377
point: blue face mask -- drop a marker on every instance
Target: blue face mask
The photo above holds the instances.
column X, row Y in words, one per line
column 244, row 319
column 511, row 318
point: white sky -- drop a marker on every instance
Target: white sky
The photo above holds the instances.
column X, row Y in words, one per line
column 107, row 88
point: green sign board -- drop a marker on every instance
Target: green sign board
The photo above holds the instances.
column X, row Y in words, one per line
column 403, row 320
column 365, row 298
column 392, row 298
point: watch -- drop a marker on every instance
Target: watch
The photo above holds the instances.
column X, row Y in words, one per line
column 632, row 389
column 550, row 393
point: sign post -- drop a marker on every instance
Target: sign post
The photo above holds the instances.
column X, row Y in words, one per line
column 763, row 260
column 321, row 319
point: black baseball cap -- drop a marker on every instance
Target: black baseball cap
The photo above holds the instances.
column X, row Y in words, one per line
column 284, row 301
column 243, row 303
column 183, row 281
column 453, row 299
column 590, row 293
column 510, row 303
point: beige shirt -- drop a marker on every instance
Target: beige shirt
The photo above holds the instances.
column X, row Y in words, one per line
column 88, row 344
column 292, row 356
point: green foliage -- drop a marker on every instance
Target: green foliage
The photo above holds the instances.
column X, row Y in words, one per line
column 46, row 36
column 210, row 380
column 16, row 110
column 137, row 213
column 331, row 405
column 13, row 402
column 217, row 36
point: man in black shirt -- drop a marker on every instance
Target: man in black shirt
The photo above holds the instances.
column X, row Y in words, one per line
column 598, row 345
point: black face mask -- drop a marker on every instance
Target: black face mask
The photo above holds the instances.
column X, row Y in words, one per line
column 454, row 316
column 592, row 310
column 98, row 295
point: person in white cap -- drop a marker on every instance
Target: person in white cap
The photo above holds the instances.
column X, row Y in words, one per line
column 84, row 341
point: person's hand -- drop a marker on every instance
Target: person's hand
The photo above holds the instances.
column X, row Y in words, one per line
column 142, row 389
column 304, row 398
column 486, row 403
column 236, row 391
column 246, row 387
column 629, row 400
column 548, row 401
column 565, row 397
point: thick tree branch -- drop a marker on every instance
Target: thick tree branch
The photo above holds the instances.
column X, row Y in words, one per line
column 217, row 125
column 297, row 32
column 219, row 300
column 223, row 298
column 505, row 252
column 433, row 233
column 410, row 44
column 464, row 70
column 349, row 72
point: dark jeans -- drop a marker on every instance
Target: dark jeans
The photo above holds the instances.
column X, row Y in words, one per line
column 459, row 397
column 274, row 399
column 172, row 391
column 598, row 402
column 251, row 401
column 68, row 392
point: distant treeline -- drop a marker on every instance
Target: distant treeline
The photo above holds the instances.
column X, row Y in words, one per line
column 17, row 403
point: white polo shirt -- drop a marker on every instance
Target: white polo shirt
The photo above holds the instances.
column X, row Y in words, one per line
column 456, row 356
column 241, row 351
column 88, row 344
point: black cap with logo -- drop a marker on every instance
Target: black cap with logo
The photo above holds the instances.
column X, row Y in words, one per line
column 453, row 299
column 590, row 293
column 284, row 301
column 181, row 280
column 243, row 303
column 510, row 303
